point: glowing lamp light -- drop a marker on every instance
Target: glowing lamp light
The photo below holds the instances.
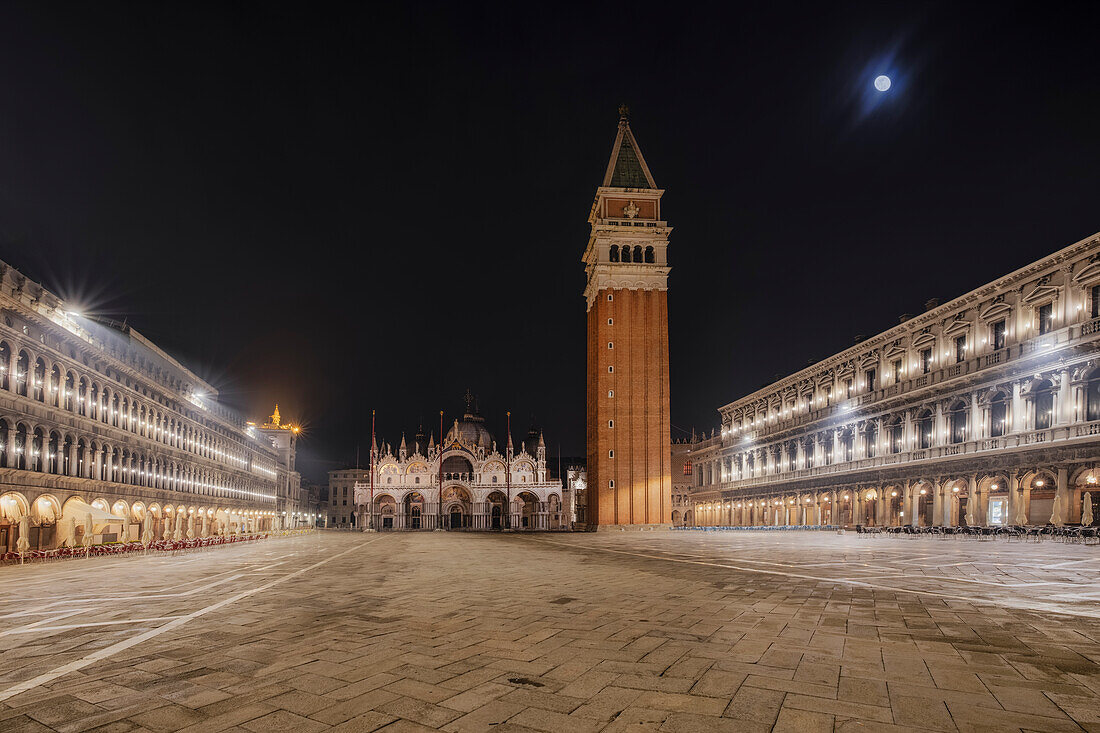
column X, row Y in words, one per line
column 994, row 487
column 1040, row 483
column 923, row 492
column 956, row 489
column 893, row 493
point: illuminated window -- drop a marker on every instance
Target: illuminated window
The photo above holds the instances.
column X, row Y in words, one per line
column 925, row 361
column 960, row 349
column 897, row 370
column 997, row 335
column 1046, row 318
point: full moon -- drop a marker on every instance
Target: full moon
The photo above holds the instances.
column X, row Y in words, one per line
column 882, row 83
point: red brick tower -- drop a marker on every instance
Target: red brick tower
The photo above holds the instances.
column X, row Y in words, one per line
column 629, row 463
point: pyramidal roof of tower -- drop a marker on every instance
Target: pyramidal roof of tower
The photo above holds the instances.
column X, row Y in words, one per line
column 627, row 167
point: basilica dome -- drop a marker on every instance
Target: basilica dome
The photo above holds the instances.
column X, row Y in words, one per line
column 471, row 430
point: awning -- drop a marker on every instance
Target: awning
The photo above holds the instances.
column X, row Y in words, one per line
column 79, row 511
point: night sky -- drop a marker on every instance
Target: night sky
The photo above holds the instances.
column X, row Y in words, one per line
column 381, row 206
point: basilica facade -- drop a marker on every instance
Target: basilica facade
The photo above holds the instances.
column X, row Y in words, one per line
column 466, row 482
column 981, row 411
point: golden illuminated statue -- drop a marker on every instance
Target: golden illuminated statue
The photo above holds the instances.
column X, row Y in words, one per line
column 275, row 417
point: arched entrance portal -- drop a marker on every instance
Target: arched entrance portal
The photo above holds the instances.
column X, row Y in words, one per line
column 496, row 503
column 385, row 509
column 414, row 510
column 456, row 507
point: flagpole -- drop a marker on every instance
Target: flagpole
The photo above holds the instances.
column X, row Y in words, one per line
column 370, row 509
column 508, row 475
column 439, row 509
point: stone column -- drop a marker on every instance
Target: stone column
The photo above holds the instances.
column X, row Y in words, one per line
column 1064, row 411
column 975, row 497
column 1015, row 498
column 937, row 500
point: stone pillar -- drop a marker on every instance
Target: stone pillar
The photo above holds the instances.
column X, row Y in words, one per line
column 975, row 497
column 1015, row 497
column 937, row 500
column 976, row 432
column 1064, row 411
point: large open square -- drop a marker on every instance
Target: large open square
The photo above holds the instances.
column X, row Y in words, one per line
column 672, row 631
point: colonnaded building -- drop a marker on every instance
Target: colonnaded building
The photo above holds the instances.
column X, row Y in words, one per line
column 981, row 411
column 465, row 482
column 97, row 420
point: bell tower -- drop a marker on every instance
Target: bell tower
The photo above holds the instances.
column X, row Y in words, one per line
column 626, row 262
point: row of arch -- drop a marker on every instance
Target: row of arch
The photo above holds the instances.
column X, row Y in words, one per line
column 646, row 255
column 38, row 448
column 56, row 385
column 45, row 515
column 414, row 511
column 1037, row 496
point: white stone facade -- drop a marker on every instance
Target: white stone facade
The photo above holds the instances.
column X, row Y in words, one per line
column 93, row 412
column 981, row 411
column 481, row 488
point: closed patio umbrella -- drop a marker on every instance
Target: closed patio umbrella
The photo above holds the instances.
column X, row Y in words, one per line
column 1021, row 515
column 178, row 535
column 190, row 526
column 23, row 543
column 147, row 531
column 1057, row 511
column 88, row 530
column 1086, row 510
column 205, row 525
column 70, row 531
column 167, row 534
column 970, row 511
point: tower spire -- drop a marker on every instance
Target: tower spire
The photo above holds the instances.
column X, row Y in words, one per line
column 627, row 167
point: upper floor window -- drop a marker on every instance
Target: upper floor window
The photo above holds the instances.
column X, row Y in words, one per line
column 1044, row 407
column 1046, row 318
column 1095, row 305
column 925, row 428
column 613, row 255
column 925, row 361
column 870, row 376
column 998, row 415
column 997, row 335
column 897, row 370
column 960, row 349
column 847, row 389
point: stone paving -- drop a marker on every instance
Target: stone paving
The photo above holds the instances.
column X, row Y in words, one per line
column 669, row 631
